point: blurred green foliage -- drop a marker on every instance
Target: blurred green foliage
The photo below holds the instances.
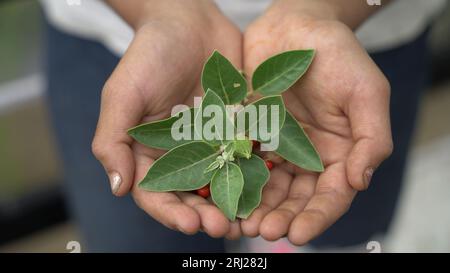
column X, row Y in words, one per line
column 28, row 158
column 20, row 37
column 10, row 171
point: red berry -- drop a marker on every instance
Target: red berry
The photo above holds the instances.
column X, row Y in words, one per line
column 255, row 144
column 204, row 192
column 269, row 164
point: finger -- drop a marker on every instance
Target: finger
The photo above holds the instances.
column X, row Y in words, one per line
column 254, row 54
column 164, row 207
column 368, row 111
column 273, row 194
column 121, row 109
column 212, row 220
column 276, row 224
column 332, row 198
column 167, row 208
column 235, row 230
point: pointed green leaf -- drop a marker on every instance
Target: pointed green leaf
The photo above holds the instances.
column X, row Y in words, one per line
column 223, row 78
column 226, row 188
column 211, row 99
column 181, row 169
column 278, row 73
column 243, row 148
column 256, row 176
column 252, row 125
column 158, row 134
column 296, row 147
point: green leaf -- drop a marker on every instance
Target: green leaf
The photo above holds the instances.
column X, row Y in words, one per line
column 278, row 73
column 223, row 78
column 226, row 188
column 252, row 126
column 296, row 147
column 256, row 176
column 158, row 134
column 181, row 169
column 243, row 148
column 211, row 99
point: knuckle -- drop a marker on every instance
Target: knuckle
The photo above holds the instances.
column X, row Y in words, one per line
column 300, row 196
column 98, row 149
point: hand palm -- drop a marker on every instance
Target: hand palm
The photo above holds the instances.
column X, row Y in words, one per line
column 178, row 72
column 337, row 103
column 297, row 203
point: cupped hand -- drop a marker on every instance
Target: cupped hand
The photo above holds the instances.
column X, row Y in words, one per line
column 161, row 69
column 342, row 103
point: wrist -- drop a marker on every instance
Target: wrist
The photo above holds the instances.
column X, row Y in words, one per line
column 189, row 12
column 352, row 13
column 317, row 9
column 138, row 13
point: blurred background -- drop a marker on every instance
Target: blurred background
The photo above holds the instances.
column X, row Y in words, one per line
column 33, row 217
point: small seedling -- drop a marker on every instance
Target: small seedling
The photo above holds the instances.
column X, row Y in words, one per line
column 228, row 169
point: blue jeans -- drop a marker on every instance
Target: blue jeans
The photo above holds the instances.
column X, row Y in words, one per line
column 77, row 70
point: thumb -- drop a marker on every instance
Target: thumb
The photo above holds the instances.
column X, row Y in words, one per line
column 121, row 109
column 368, row 111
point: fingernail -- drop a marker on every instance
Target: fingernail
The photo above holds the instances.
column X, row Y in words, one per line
column 368, row 176
column 116, row 181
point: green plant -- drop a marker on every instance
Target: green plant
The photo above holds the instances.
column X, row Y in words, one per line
column 235, row 174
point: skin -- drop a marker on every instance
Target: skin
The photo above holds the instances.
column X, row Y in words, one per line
column 157, row 72
column 343, row 103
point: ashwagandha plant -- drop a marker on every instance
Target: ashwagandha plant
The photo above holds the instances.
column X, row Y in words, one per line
column 235, row 174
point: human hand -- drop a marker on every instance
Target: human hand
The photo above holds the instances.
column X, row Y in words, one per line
column 342, row 103
column 161, row 69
